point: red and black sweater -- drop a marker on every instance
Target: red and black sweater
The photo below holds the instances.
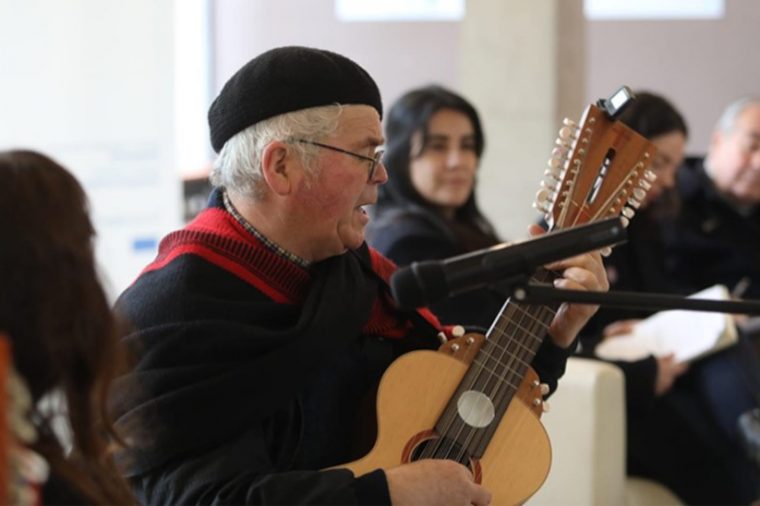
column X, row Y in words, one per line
column 251, row 371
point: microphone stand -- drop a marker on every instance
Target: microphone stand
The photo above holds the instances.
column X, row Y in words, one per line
column 538, row 293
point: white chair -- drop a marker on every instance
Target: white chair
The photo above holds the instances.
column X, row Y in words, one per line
column 586, row 426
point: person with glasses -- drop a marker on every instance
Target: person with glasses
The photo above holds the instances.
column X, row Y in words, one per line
column 720, row 195
column 263, row 327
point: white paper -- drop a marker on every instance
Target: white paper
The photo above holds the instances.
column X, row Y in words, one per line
column 687, row 334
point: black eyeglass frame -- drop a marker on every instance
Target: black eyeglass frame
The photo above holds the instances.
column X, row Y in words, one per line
column 374, row 161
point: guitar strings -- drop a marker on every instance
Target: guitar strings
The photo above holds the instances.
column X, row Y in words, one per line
column 507, row 382
column 493, row 353
column 506, row 319
column 519, row 355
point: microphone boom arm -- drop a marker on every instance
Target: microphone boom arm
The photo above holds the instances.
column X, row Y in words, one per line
column 535, row 293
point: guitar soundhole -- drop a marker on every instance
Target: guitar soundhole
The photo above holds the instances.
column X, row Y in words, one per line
column 441, row 448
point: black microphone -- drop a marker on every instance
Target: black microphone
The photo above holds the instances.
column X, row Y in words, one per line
column 423, row 283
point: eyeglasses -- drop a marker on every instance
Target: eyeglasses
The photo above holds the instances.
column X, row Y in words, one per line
column 374, row 161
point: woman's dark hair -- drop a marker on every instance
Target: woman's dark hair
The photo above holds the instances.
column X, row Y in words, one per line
column 410, row 115
column 58, row 318
column 652, row 115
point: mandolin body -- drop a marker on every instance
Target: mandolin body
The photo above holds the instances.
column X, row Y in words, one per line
column 411, row 397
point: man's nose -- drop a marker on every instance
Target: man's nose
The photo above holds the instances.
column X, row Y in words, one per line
column 381, row 174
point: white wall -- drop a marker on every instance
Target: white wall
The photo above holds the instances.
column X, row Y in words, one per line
column 701, row 65
column 90, row 83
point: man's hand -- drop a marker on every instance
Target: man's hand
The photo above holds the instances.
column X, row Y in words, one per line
column 432, row 482
column 582, row 272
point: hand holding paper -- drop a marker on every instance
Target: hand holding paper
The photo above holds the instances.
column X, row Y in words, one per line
column 688, row 335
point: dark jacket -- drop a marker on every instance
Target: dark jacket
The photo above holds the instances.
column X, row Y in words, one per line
column 253, row 374
column 727, row 239
column 683, row 438
column 414, row 234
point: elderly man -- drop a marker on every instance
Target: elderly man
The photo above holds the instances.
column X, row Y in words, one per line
column 720, row 218
column 263, row 327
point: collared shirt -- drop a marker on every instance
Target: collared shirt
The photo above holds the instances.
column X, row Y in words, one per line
column 258, row 235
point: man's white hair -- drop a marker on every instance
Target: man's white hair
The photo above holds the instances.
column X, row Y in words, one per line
column 238, row 165
column 727, row 120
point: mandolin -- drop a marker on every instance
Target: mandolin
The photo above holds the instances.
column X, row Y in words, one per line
column 477, row 400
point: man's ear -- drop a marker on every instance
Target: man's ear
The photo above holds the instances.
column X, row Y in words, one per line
column 278, row 167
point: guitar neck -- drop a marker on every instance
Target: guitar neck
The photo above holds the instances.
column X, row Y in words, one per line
column 499, row 367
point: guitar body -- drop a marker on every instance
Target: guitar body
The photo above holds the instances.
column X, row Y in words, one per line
column 412, row 395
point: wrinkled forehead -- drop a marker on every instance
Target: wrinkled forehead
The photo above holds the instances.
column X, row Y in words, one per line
column 360, row 124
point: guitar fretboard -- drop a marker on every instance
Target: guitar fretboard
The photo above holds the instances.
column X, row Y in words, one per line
column 496, row 372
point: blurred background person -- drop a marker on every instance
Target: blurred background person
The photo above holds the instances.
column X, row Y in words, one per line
column 60, row 326
column 428, row 208
column 677, row 417
column 720, row 215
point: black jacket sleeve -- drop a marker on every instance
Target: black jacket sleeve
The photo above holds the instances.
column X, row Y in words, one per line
column 214, row 477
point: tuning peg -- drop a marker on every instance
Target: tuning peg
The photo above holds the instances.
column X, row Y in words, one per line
column 546, row 406
column 549, row 184
column 570, row 123
column 645, row 184
column 625, row 221
column 544, row 387
column 633, row 203
column 543, row 199
column 554, row 163
column 562, row 142
column 606, row 251
column 628, row 212
column 639, row 193
column 567, row 133
column 650, row 176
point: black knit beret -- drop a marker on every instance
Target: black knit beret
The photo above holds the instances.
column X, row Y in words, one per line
column 287, row 79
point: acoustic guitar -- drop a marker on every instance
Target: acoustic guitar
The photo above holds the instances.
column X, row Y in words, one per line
column 477, row 400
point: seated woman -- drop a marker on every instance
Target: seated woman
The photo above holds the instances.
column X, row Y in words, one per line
column 675, row 416
column 427, row 209
column 62, row 334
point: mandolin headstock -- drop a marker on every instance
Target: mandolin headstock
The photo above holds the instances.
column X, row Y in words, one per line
column 599, row 169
